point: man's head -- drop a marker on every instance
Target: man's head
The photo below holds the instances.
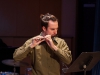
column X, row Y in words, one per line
column 49, row 24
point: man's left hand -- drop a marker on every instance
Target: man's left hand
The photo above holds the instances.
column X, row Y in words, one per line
column 50, row 42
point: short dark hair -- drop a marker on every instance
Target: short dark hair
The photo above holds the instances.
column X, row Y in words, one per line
column 46, row 18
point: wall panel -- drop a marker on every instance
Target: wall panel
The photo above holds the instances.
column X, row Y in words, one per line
column 7, row 17
column 28, row 18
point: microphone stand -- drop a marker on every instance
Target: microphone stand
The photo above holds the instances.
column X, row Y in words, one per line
column 14, row 69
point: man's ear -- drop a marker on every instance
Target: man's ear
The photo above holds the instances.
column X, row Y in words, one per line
column 43, row 28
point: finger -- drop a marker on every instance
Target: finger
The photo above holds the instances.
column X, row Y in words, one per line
column 37, row 40
column 40, row 37
column 48, row 36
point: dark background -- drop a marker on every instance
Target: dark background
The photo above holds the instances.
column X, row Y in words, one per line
column 19, row 21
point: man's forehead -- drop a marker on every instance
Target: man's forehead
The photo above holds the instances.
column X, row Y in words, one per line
column 53, row 24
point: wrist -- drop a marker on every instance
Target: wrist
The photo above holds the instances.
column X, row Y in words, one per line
column 55, row 48
column 31, row 45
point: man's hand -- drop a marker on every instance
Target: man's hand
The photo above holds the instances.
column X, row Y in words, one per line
column 50, row 42
column 36, row 40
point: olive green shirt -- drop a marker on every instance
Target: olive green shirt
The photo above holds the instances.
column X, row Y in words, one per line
column 44, row 60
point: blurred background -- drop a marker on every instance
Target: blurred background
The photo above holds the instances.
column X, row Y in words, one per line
column 79, row 25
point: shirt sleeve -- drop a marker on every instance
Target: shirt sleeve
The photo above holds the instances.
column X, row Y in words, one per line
column 64, row 53
column 22, row 52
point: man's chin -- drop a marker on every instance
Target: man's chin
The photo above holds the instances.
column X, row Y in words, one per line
column 53, row 36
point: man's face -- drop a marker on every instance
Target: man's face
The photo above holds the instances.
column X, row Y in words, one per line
column 51, row 29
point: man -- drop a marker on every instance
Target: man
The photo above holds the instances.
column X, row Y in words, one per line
column 46, row 50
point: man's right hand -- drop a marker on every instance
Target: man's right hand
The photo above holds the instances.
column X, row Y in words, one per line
column 36, row 40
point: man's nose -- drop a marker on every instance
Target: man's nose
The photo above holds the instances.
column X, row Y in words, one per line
column 55, row 32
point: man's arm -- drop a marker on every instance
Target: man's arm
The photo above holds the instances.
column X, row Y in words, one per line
column 62, row 50
column 22, row 52
column 64, row 53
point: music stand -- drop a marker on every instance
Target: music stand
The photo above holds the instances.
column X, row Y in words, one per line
column 85, row 62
